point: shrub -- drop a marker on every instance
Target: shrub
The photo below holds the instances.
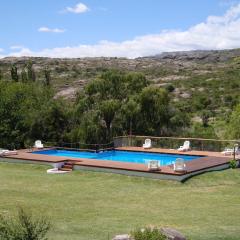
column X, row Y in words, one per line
column 233, row 164
column 148, row 234
column 23, row 227
column 170, row 88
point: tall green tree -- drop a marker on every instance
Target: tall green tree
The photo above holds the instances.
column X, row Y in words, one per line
column 131, row 109
column 233, row 128
column 30, row 72
column 14, row 73
column 1, row 75
column 135, row 82
column 19, row 103
column 155, row 110
column 108, row 109
column 50, row 122
column 47, row 75
column 24, row 75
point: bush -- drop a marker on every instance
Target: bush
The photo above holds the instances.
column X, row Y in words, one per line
column 233, row 164
column 170, row 88
column 148, row 234
column 23, row 227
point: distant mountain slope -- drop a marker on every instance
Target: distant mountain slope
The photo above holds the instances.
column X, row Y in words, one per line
column 187, row 72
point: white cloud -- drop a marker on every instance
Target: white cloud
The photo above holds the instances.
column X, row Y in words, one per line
column 14, row 47
column 79, row 8
column 52, row 30
column 217, row 32
column 228, row 3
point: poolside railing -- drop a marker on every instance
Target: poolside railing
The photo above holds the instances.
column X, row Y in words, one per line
column 198, row 144
column 79, row 146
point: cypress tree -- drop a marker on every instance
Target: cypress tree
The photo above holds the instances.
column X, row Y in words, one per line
column 30, row 72
column 47, row 74
column 14, row 73
column 24, row 75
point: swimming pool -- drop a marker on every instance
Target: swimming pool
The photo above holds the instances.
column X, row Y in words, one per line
column 120, row 156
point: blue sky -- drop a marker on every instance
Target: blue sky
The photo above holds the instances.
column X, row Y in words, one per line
column 128, row 28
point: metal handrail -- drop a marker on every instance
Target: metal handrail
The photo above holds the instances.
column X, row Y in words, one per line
column 85, row 146
column 178, row 138
column 173, row 142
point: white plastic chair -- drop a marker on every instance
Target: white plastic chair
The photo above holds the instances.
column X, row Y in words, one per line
column 147, row 144
column 185, row 147
column 179, row 165
column 38, row 144
column 230, row 151
column 153, row 165
column 4, row 152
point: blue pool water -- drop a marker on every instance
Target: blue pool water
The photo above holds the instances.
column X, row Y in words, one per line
column 120, row 156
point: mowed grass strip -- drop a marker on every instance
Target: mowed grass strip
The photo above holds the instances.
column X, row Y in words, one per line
column 93, row 206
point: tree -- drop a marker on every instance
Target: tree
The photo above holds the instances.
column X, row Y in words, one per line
column 14, row 73
column 30, row 72
column 131, row 109
column 50, row 122
column 23, row 227
column 136, row 82
column 90, row 129
column 154, row 104
column 47, row 75
column 1, row 75
column 234, row 124
column 19, row 104
column 24, row 75
column 108, row 110
column 205, row 115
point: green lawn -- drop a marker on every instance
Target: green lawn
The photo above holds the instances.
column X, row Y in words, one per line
column 89, row 206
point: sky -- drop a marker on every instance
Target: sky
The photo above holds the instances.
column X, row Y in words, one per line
column 116, row 28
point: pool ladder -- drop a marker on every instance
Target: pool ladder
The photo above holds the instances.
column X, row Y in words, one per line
column 68, row 166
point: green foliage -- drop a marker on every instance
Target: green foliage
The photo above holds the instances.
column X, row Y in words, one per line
column 23, row 227
column 50, row 122
column 24, row 75
column 14, row 73
column 90, row 129
column 108, row 110
column 234, row 124
column 108, row 106
column 233, row 164
column 30, row 72
column 170, row 88
column 154, row 104
column 199, row 131
column 130, row 111
column 47, row 75
column 19, row 103
column 148, row 234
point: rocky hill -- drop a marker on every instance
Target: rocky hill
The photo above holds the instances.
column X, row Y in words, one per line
column 186, row 72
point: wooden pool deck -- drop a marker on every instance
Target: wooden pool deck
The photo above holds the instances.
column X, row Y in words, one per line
column 207, row 161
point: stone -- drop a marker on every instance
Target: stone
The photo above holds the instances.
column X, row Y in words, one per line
column 122, row 237
column 172, row 234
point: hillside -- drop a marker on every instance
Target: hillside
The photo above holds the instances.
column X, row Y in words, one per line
column 199, row 78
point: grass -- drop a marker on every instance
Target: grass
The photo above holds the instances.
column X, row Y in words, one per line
column 93, row 206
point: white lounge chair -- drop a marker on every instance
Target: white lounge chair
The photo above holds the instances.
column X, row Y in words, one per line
column 4, row 152
column 153, row 165
column 179, row 165
column 230, row 151
column 38, row 144
column 185, row 147
column 147, row 144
